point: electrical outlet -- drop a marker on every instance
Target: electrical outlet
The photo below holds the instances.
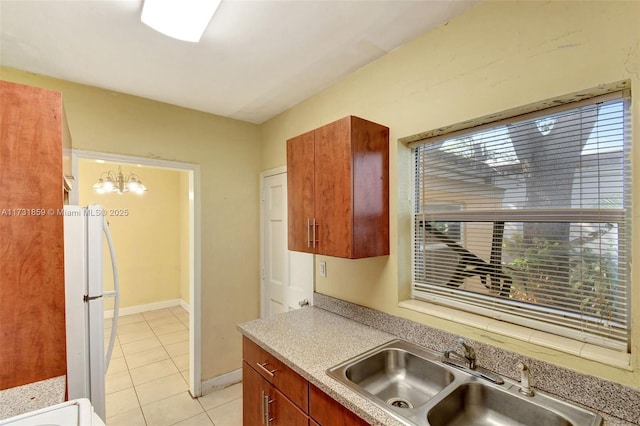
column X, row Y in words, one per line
column 323, row 269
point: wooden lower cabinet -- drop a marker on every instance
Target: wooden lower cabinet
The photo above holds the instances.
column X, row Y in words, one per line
column 253, row 391
column 264, row 404
column 275, row 395
column 276, row 373
column 329, row 412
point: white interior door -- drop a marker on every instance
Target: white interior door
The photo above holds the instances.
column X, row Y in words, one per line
column 287, row 277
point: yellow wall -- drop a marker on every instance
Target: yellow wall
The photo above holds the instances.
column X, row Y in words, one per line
column 497, row 56
column 147, row 232
column 228, row 152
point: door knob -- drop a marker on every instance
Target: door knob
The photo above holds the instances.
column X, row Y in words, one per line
column 303, row 303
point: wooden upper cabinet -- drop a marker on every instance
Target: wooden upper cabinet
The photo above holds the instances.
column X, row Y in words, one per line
column 338, row 189
column 32, row 296
column 300, row 190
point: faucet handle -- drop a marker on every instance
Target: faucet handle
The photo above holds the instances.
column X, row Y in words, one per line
column 469, row 353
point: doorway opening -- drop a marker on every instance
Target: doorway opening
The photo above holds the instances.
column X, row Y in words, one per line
column 159, row 255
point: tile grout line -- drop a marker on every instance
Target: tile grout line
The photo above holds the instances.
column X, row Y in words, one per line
column 163, row 346
column 177, row 368
column 135, row 388
column 172, row 361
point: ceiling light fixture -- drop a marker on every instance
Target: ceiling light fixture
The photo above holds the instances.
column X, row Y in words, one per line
column 181, row 19
column 118, row 183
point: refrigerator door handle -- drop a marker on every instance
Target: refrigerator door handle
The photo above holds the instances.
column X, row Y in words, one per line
column 115, row 294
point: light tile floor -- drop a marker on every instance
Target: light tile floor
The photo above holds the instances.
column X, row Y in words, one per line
column 147, row 379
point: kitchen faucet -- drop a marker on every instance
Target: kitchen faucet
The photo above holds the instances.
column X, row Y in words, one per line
column 467, row 362
column 469, row 356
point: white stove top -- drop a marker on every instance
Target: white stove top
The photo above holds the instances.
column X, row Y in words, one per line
column 78, row 412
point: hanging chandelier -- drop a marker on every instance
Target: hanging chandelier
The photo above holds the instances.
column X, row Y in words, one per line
column 119, row 183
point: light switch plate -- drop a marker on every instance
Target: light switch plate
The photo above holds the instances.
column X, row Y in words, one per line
column 323, row 269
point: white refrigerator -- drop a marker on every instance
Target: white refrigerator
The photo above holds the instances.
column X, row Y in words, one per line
column 86, row 237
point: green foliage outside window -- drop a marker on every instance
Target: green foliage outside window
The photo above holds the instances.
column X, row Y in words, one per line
column 592, row 276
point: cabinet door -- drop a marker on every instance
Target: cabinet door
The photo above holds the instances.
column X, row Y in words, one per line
column 328, row 412
column 254, row 389
column 300, row 190
column 32, row 293
column 333, row 181
column 282, row 412
column 263, row 404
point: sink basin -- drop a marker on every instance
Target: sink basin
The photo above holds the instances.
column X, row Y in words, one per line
column 411, row 384
column 399, row 378
column 476, row 404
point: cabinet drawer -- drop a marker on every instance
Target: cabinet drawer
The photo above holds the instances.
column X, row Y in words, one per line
column 329, row 412
column 275, row 372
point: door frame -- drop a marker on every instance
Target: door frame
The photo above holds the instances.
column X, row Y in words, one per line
column 195, row 313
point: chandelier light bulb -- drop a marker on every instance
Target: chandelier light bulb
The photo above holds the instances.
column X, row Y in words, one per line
column 119, row 183
column 108, row 184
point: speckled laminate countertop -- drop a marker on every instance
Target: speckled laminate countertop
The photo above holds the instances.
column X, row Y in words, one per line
column 34, row 396
column 310, row 341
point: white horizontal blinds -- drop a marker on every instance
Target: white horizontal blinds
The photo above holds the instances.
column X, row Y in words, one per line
column 529, row 222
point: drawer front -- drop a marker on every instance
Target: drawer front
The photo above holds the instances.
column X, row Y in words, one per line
column 275, row 372
column 329, row 412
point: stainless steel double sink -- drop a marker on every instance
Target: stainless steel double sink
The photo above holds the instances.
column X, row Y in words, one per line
column 411, row 384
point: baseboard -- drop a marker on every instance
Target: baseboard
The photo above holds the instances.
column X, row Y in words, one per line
column 129, row 310
column 185, row 305
column 222, row 381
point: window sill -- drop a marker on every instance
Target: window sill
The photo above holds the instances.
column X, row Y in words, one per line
column 562, row 344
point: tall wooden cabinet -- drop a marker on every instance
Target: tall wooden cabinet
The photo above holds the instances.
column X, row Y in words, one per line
column 32, row 308
column 338, row 189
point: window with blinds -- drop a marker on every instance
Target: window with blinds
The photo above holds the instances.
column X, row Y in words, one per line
column 528, row 221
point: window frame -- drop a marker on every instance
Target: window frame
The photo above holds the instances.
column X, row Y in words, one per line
column 619, row 216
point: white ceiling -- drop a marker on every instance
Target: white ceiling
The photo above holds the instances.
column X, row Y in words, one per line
column 255, row 60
